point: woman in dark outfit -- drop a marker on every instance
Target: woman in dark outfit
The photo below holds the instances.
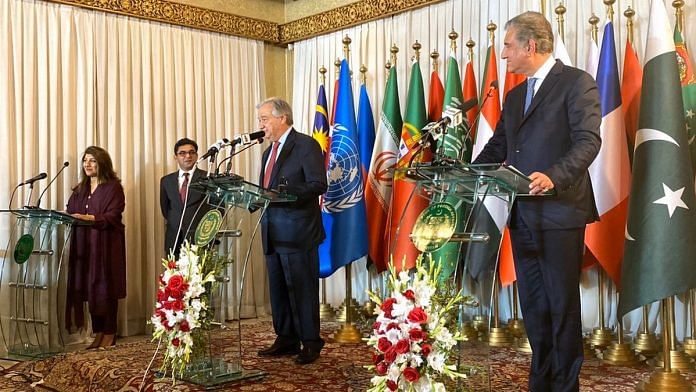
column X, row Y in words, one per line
column 97, row 267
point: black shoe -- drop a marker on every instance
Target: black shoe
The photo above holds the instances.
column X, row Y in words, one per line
column 309, row 354
column 278, row 349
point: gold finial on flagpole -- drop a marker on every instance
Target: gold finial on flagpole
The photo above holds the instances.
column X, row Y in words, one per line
column 394, row 50
column 679, row 4
column 363, row 70
column 435, row 55
column 610, row 9
column 346, row 47
column 470, row 44
column 322, row 73
column 491, row 30
column 629, row 14
column 417, row 47
column 453, row 40
column 337, row 64
column 594, row 30
column 560, row 12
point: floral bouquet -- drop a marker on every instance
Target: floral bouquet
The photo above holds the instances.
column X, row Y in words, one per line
column 413, row 346
column 182, row 312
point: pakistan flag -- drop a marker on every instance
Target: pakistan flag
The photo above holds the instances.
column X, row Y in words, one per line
column 661, row 228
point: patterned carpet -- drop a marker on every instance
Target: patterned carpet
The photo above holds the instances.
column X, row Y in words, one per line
column 121, row 368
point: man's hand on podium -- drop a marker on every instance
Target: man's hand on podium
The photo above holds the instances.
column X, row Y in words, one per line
column 86, row 217
column 540, row 183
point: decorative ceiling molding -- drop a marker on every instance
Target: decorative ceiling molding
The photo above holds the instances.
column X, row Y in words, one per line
column 346, row 16
column 222, row 22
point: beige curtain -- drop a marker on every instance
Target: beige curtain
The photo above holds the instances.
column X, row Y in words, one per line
column 431, row 25
column 70, row 78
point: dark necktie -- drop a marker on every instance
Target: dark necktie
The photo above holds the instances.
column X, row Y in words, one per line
column 530, row 93
column 184, row 188
column 269, row 168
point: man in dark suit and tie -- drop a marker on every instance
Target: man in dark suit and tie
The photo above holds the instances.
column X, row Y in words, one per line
column 549, row 130
column 174, row 192
column 292, row 232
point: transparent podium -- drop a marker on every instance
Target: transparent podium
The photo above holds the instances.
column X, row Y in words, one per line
column 464, row 209
column 33, row 280
column 229, row 218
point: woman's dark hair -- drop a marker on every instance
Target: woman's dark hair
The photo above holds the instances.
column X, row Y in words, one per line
column 105, row 168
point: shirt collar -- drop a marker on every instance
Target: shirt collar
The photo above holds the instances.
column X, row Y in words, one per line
column 543, row 71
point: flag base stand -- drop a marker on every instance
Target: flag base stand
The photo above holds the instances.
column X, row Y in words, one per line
column 481, row 324
column 516, row 327
column 587, row 350
column 522, row 345
column 678, row 360
column 690, row 347
column 662, row 381
column 348, row 334
column 368, row 309
column 342, row 311
column 620, row 354
column 326, row 312
column 601, row 338
column 500, row 337
column 469, row 333
column 646, row 344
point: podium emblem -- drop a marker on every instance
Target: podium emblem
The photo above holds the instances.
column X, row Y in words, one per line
column 434, row 227
column 23, row 249
column 208, row 227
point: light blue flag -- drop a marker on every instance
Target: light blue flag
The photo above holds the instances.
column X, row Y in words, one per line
column 366, row 131
column 343, row 211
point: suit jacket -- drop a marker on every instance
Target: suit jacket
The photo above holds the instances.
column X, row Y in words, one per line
column 295, row 226
column 172, row 207
column 558, row 136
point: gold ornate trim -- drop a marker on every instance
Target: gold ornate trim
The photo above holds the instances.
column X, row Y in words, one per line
column 185, row 15
column 221, row 22
column 346, row 16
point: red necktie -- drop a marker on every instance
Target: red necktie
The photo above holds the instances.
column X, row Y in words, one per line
column 184, row 188
column 269, row 168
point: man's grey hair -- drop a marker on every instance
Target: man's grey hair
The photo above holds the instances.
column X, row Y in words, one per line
column 280, row 108
column 532, row 25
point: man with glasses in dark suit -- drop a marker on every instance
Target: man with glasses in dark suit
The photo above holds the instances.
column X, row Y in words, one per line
column 174, row 194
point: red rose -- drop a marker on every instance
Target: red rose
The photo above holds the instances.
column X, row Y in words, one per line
column 171, row 264
column 376, row 326
column 425, row 349
column 184, row 326
column 391, row 326
column 387, row 306
column 176, row 342
column 411, row 374
column 176, row 294
column 161, row 296
column 402, row 346
column 175, row 282
column 377, row 358
column 417, row 316
column 178, row 305
column 417, row 334
column 383, row 344
column 161, row 280
column 184, row 287
column 381, row 368
column 392, row 385
column 390, row 355
column 410, row 294
column 167, row 305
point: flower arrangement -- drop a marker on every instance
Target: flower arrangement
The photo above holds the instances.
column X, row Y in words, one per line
column 412, row 343
column 182, row 312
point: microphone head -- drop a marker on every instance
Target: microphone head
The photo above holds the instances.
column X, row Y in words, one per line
column 494, row 84
column 41, row 176
column 469, row 104
column 66, row 164
column 225, row 140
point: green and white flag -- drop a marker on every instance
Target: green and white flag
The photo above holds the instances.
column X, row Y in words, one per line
column 454, row 143
column 660, row 250
column 688, row 82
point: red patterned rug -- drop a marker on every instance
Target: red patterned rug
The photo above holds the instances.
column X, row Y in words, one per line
column 340, row 368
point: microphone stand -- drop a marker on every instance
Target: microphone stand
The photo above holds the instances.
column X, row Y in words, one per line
column 229, row 158
column 31, row 190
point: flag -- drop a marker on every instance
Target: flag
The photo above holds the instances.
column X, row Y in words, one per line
column 379, row 181
column 403, row 214
column 592, row 58
column 630, row 95
column 321, row 121
column 343, row 210
column 512, row 80
column 435, row 97
column 366, row 131
column 610, row 171
column 559, row 50
column 659, row 247
column 469, row 91
column 490, row 112
column 688, row 82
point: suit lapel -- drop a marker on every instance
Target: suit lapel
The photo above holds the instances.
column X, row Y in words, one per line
column 546, row 87
column 284, row 153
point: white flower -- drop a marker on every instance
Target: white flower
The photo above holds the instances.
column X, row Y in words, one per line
column 444, row 337
column 393, row 372
column 439, row 387
column 394, row 335
column 436, row 360
column 401, row 308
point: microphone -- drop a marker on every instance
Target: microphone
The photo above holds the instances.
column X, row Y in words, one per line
column 214, row 149
column 65, row 164
column 491, row 88
column 247, row 138
column 451, row 117
column 32, row 180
